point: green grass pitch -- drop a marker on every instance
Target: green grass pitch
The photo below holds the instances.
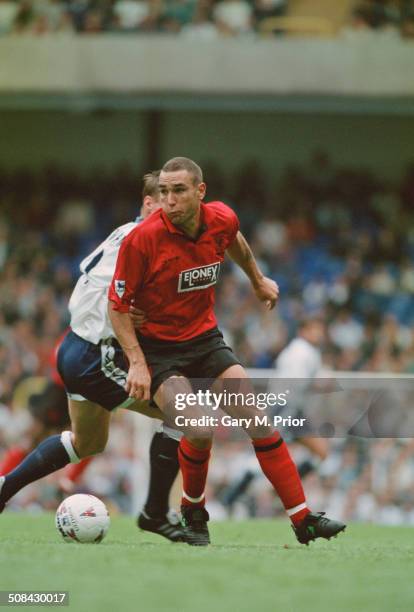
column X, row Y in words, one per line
column 252, row 566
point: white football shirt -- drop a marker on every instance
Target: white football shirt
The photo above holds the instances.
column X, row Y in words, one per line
column 88, row 304
column 299, row 359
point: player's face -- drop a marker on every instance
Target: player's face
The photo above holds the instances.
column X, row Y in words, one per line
column 180, row 197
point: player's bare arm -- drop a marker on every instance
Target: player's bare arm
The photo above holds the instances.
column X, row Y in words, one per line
column 265, row 288
column 138, row 380
column 137, row 316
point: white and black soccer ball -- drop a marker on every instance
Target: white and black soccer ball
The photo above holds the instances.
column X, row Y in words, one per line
column 82, row 518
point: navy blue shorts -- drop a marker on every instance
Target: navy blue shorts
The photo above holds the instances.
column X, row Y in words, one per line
column 94, row 372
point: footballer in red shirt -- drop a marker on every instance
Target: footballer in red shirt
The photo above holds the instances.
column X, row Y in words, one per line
column 168, row 267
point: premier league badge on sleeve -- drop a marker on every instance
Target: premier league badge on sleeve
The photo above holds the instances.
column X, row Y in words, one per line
column 120, row 288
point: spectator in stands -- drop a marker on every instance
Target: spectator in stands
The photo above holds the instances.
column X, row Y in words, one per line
column 176, row 14
column 407, row 277
column 233, row 17
column 77, row 10
column 201, row 27
column 345, row 332
column 130, row 15
column 25, row 17
column 8, row 12
column 407, row 26
column 263, row 9
column 385, row 16
column 381, row 281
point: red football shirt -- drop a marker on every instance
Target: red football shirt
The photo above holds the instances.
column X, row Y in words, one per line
column 171, row 276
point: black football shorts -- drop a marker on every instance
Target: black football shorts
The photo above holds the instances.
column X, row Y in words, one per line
column 203, row 357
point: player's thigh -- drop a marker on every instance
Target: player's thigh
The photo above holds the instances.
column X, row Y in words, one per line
column 235, row 371
column 238, row 401
column 235, row 384
column 148, row 409
column 90, row 426
column 172, row 392
column 236, row 387
column 187, row 417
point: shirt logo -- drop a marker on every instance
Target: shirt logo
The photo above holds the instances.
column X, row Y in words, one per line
column 120, row 288
column 195, row 279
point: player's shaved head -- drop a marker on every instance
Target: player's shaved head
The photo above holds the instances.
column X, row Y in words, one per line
column 184, row 163
column 150, row 184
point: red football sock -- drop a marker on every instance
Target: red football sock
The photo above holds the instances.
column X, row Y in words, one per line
column 11, row 459
column 75, row 470
column 194, row 467
column 279, row 467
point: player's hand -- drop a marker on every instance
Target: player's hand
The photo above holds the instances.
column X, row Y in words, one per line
column 138, row 382
column 267, row 291
column 137, row 316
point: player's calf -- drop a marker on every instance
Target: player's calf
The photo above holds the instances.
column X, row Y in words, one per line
column 49, row 456
column 89, row 447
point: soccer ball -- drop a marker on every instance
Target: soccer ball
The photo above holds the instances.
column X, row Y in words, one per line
column 82, row 518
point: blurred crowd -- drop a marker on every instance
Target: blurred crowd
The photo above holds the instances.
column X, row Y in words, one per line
column 390, row 17
column 200, row 19
column 339, row 242
column 206, row 19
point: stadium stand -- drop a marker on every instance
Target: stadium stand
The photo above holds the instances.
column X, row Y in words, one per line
column 205, row 18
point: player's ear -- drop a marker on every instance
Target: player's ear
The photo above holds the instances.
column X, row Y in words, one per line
column 202, row 190
column 148, row 205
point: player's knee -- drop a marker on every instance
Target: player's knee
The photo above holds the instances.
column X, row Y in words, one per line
column 199, row 433
column 259, row 432
column 200, row 443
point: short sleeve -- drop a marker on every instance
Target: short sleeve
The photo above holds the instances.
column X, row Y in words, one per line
column 234, row 225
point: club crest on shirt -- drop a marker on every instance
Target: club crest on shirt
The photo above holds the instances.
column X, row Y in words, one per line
column 195, row 279
column 120, row 288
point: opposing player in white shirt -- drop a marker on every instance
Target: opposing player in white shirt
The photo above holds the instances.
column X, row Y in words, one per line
column 92, row 366
column 302, row 360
